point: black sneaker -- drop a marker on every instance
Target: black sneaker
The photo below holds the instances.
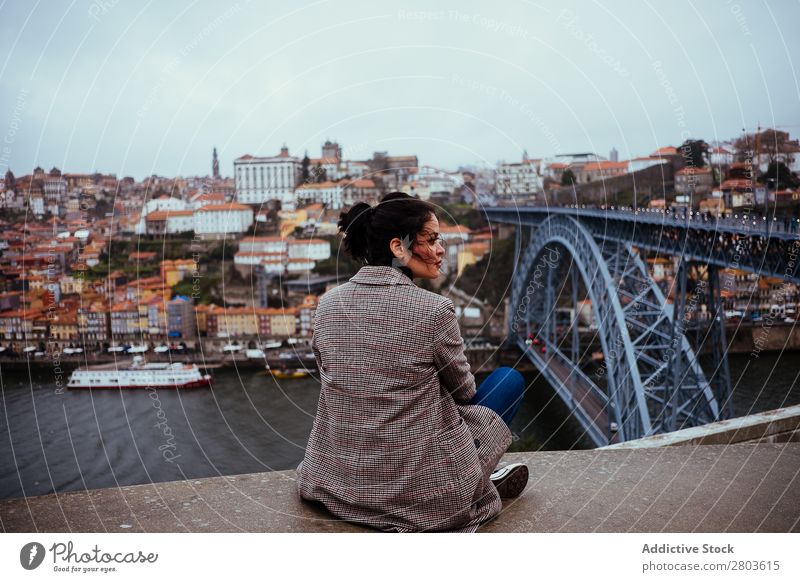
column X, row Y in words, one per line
column 510, row 480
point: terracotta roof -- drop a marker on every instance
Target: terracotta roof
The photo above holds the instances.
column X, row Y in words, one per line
column 318, row 186
column 477, row 247
column 223, row 207
column 693, row 170
column 263, row 239
column 737, row 184
column 362, row 183
column 457, row 228
column 211, row 196
column 141, row 255
column 665, row 151
column 68, row 318
column 177, row 263
column 606, row 166
column 166, row 214
column 307, row 241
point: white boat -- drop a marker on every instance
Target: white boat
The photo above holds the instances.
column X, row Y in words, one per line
column 138, row 349
column 161, row 349
column 232, row 348
column 139, row 374
column 271, row 345
column 255, row 354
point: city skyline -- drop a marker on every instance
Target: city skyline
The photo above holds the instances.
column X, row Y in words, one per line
column 126, row 90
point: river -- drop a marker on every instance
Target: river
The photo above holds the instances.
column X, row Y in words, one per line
column 52, row 441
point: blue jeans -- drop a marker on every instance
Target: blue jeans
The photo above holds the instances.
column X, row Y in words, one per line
column 502, row 391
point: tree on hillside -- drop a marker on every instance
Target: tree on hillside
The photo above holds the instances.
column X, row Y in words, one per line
column 304, row 167
column 568, row 178
column 318, row 174
column 775, row 144
column 694, row 152
column 779, row 176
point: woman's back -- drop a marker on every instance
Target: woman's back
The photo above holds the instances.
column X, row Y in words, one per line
column 394, row 444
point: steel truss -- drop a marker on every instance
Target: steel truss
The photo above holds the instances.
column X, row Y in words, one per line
column 651, row 381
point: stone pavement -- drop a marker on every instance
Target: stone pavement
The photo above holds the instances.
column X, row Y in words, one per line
column 711, row 488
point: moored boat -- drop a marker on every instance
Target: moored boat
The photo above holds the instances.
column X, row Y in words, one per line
column 139, row 374
column 283, row 374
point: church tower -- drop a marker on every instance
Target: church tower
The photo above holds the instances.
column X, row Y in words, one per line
column 215, row 165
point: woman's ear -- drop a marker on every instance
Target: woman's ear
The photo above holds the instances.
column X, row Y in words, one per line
column 401, row 250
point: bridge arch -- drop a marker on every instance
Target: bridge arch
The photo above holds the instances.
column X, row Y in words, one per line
column 651, row 380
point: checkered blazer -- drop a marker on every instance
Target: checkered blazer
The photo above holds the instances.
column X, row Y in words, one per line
column 394, row 444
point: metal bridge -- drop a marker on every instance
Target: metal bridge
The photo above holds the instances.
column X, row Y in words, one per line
column 647, row 379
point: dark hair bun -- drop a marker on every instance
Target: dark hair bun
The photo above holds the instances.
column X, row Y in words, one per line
column 368, row 230
column 353, row 224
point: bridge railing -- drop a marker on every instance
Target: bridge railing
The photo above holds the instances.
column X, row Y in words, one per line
column 739, row 221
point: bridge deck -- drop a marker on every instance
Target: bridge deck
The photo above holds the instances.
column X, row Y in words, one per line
column 737, row 224
column 581, row 392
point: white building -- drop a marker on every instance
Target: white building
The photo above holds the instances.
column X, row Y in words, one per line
column 521, row 178
column 313, row 249
column 163, row 203
column 280, row 255
column 299, row 266
column 220, row 219
column 334, row 170
column 55, row 188
column 274, row 262
column 200, row 200
column 258, row 180
column 328, row 193
column 37, row 205
column 722, row 155
column 269, row 251
column 169, row 222
column 356, row 169
column 435, row 180
column 264, row 244
column 642, row 163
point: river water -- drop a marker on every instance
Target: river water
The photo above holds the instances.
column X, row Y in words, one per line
column 57, row 441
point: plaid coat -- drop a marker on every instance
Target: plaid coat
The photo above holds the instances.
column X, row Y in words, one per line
column 394, row 444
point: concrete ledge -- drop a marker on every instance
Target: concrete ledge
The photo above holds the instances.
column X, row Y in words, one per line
column 735, row 488
column 773, row 426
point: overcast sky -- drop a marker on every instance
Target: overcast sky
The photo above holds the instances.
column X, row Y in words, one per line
column 135, row 88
